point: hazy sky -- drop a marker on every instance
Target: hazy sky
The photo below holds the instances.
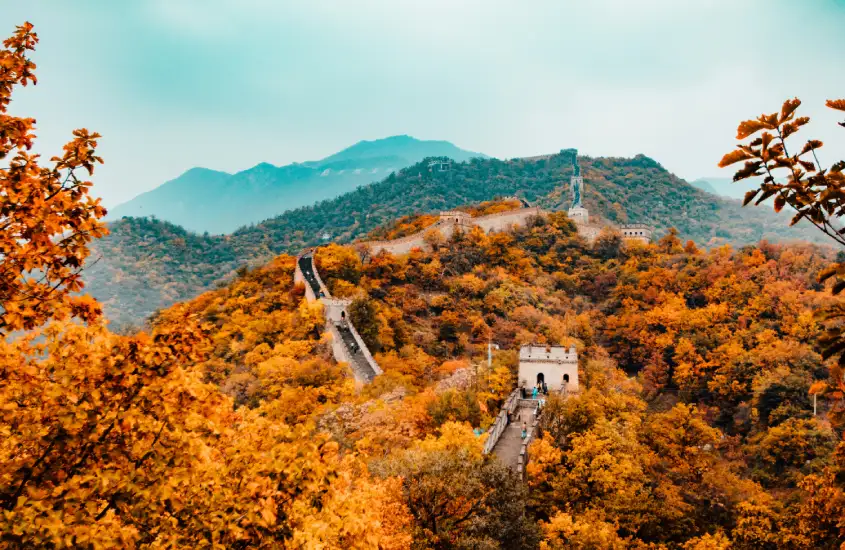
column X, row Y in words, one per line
column 225, row 84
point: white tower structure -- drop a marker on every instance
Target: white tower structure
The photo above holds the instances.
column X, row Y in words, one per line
column 554, row 366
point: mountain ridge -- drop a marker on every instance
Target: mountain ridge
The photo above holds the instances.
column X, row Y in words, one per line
column 149, row 264
column 206, row 200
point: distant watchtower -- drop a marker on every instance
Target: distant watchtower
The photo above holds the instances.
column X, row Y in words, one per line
column 437, row 166
column 456, row 217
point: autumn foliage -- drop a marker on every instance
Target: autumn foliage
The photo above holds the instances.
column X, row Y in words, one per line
column 48, row 219
column 228, row 424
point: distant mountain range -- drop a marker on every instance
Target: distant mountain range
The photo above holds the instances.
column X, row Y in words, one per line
column 204, row 200
column 725, row 187
column 146, row 264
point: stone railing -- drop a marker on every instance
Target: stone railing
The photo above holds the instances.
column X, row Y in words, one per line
column 334, row 311
column 522, row 461
column 501, row 422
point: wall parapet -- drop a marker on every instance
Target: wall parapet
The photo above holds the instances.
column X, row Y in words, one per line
column 449, row 220
column 335, row 313
column 495, row 431
column 522, row 460
column 528, row 210
column 419, row 235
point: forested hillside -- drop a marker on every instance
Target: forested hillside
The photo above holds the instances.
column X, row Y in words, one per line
column 157, row 263
column 694, row 425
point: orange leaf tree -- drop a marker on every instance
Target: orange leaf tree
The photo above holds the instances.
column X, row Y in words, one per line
column 816, row 194
column 47, row 217
column 111, row 441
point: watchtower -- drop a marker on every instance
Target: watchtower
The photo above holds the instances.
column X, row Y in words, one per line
column 579, row 215
column 554, row 366
column 456, row 217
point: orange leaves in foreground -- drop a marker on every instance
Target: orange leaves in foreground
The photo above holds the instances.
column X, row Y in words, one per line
column 46, row 214
column 109, row 441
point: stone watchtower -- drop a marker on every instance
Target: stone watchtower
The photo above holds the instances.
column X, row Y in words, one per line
column 556, row 366
column 456, row 217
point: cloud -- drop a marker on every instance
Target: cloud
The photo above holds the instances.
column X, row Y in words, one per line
column 230, row 83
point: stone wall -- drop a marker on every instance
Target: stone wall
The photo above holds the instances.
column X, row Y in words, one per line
column 403, row 245
column 589, row 231
column 505, row 221
column 494, row 432
column 449, row 222
column 334, row 311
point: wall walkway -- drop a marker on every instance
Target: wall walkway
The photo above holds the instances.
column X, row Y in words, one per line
column 347, row 345
column 448, row 224
column 510, row 447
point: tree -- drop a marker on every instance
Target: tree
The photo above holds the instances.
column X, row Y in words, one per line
column 608, row 244
column 459, row 498
column 111, row 441
column 816, row 194
column 363, row 315
column 47, row 217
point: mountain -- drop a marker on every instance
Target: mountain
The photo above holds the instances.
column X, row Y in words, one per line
column 704, row 185
column 404, row 149
column 204, row 200
column 149, row 264
column 725, row 187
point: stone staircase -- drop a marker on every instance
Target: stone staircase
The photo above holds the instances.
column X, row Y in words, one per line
column 511, row 448
column 361, row 367
column 510, row 443
column 347, row 345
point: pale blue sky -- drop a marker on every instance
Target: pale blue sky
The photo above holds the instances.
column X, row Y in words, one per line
column 225, row 84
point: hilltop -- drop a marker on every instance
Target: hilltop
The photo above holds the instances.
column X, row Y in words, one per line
column 147, row 264
column 204, row 200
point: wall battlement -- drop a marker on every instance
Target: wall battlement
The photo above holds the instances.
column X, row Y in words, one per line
column 449, row 221
column 347, row 345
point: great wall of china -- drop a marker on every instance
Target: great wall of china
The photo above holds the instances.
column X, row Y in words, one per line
column 452, row 220
column 512, row 431
column 347, row 345
column 504, row 437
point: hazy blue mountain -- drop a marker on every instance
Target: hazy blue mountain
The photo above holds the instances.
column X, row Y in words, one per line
column 726, row 187
column 705, row 186
column 204, row 200
column 402, row 148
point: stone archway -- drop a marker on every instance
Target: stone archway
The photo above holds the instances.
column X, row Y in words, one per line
column 541, row 378
column 566, row 379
